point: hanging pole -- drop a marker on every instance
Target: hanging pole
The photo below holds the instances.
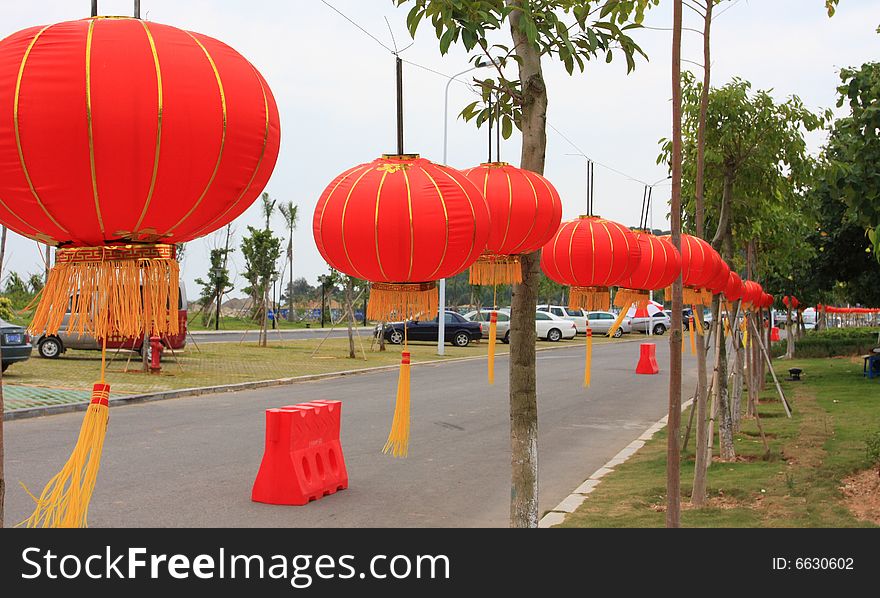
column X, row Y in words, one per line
column 399, row 64
column 94, row 8
column 497, row 128
column 137, row 9
column 490, row 128
column 592, row 185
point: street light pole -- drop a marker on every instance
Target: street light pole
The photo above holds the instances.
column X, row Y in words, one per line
column 441, row 313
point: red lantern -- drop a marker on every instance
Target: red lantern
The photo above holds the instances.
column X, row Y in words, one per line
column 401, row 222
column 700, row 265
column 658, row 266
column 734, row 289
column 121, row 138
column 719, row 282
column 122, row 132
column 525, row 212
column 590, row 254
column 752, row 294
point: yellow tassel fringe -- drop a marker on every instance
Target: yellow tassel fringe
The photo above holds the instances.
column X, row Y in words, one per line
column 402, row 301
column 64, row 501
column 589, row 298
column 398, row 439
column 495, row 270
column 693, row 324
column 493, row 331
column 588, row 364
column 105, row 298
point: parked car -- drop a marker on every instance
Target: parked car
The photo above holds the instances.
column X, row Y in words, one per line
column 552, row 327
column 459, row 331
column 659, row 323
column 575, row 315
column 52, row 346
column 16, row 343
column 686, row 314
column 502, row 331
column 601, row 322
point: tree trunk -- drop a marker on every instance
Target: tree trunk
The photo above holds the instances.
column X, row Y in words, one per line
column 698, row 494
column 738, row 366
column 349, row 316
column 722, row 400
column 264, row 314
column 701, row 464
column 673, row 458
column 290, row 280
column 789, row 333
column 751, row 362
column 382, row 336
column 523, row 398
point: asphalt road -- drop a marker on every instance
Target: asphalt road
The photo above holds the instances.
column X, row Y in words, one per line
column 235, row 336
column 191, row 462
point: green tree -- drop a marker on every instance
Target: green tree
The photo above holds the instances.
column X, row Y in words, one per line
column 573, row 33
column 853, row 150
column 215, row 286
column 289, row 211
column 756, row 173
column 261, row 250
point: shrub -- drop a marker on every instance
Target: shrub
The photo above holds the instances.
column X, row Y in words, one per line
column 5, row 308
column 833, row 342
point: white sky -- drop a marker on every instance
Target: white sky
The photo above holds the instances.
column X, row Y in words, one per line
column 335, row 91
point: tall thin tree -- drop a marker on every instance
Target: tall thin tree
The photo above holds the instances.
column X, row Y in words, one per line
column 673, row 464
column 289, row 211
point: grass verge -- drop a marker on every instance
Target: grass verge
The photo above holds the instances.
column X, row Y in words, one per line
column 798, row 485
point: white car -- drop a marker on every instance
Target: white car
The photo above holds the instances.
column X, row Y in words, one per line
column 552, row 327
column 601, row 322
column 502, row 330
column 575, row 315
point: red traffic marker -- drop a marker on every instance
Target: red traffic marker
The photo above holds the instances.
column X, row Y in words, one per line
column 647, row 359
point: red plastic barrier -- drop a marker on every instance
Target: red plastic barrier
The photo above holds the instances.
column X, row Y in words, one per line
column 774, row 334
column 303, row 458
column 647, row 359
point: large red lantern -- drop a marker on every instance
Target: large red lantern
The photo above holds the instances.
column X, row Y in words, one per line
column 658, row 267
column 402, row 223
column 734, row 289
column 119, row 139
column 129, row 135
column 525, row 212
column 717, row 285
column 700, row 264
column 590, row 255
column 752, row 294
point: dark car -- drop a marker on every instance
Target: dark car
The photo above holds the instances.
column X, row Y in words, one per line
column 459, row 331
column 16, row 343
column 686, row 314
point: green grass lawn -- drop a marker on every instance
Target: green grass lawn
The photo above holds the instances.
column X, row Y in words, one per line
column 230, row 323
column 797, row 486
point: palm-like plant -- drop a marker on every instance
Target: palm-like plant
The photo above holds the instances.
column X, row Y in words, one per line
column 268, row 207
column 289, row 212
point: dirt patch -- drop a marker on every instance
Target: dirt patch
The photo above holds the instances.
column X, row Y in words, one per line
column 715, row 502
column 862, row 495
column 738, row 459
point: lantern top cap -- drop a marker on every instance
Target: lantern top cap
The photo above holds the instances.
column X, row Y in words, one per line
column 495, row 164
column 588, row 217
column 401, row 157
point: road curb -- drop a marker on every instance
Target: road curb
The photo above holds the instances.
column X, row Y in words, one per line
column 180, row 393
column 570, row 503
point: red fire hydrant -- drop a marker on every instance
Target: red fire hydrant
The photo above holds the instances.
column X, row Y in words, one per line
column 155, row 354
